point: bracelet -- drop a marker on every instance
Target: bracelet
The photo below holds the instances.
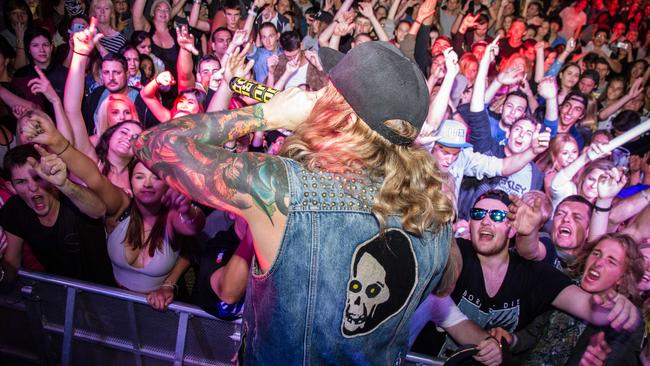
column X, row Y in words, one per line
column 64, row 149
column 417, row 21
column 252, row 12
column 81, row 54
column 230, row 148
column 173, row 286
column 2, row 274
column 496, row 340
column 602, row 209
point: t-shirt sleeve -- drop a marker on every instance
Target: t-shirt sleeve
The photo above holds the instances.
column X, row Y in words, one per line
column 12, row 216
column 445, row 312
column 548, row 283
column 479, row 165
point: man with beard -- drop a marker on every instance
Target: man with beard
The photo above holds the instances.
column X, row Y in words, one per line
column 114, row 81
column 498, row 288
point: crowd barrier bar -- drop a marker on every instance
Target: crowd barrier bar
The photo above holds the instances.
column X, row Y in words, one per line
column 70, row 333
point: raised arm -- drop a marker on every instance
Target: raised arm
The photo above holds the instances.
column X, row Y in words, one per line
column 235, row 67
column 547, row 89
column 539, row 61
column 527, row 221
column 635, row 91
column 83, row 44
column 438, row 106
column 186, row 152
column 41, row 130
column 510, row 76
column 140, row 23
column 148, row 95
column 54, row 170
column 477, row 103
column 185, row 63
column 194, row 21
column 42, row 85
column 608, row 187
column 516, row 162
column 366, row 10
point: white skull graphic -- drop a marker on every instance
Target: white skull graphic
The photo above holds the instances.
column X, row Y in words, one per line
column 365, row 292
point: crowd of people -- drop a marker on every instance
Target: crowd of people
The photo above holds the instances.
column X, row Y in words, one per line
column 551, row 258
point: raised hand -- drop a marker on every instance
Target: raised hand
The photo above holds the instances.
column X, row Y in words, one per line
column 342, row 28
column 176, row 201
column 427, row 9
column 541, row 140
column 237, row 65
column 85, row 40
column 524, row 218
column 290, row 108
column 512, row 75
column 185, row 40
column 636, row 89
column 165, row 78
column 610, row 183
column 42, row 85
column 596, row 151
column 312, row 57
column 366, row 10
column 570, row 45
column 239, row 38
column 469, row 22
column 491, row 51
column 50, row 167
column 39, row 128
column 547, row 88
column 272, row 62
column 451, row 61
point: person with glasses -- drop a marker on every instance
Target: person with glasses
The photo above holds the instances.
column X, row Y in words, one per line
column 497, row 287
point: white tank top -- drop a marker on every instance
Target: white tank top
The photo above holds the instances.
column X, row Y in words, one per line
column 148, row 278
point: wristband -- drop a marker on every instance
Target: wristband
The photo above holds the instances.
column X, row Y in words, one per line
column 64, row 149
column 173, row 286
column 82, row 54
column 602, row 209
column 191, row 219
column 2, row 274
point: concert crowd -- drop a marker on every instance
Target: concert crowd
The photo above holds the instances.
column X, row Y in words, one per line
column 524, row 99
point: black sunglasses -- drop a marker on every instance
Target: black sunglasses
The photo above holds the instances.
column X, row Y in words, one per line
column 495, row 215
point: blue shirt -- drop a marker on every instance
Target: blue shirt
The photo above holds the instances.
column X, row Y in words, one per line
column 260, row 55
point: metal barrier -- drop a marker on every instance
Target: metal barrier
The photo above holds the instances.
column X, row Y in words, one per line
column 57, row 320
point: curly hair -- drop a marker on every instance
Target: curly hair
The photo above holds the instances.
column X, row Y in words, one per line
column 335, row 139
column 634, row 264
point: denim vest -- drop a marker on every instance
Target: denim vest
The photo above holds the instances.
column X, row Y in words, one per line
column 338, row 293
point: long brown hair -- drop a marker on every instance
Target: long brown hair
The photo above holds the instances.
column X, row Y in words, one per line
column 135, row 230
column 634, row 264
column 335, row 139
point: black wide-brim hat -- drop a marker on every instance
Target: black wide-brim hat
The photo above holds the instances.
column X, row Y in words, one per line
column 380, row 84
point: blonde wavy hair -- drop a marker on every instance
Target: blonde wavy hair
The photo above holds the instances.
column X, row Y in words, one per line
column 102, row 123
column 335, row 139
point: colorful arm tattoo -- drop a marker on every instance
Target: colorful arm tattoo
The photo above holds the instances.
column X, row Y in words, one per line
column 183, row 152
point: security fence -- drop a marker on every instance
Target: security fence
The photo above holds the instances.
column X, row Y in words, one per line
column 52, row 320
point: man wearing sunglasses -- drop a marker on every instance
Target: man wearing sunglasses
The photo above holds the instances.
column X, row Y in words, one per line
column 498, row 288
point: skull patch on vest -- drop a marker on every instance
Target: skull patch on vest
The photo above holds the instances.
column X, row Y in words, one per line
column 383, row 275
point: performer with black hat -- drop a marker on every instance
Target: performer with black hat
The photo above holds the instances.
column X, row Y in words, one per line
column 350, row 222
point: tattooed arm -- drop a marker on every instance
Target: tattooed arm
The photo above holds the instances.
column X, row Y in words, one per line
column 187, row 153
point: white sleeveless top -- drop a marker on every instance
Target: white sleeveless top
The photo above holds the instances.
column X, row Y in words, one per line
column 146, row 279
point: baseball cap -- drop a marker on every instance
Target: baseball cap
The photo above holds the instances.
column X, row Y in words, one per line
column 324, row 17
column 380, row 84
column 453, row 134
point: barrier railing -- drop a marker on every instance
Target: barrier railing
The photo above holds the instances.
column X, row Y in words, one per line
column 71, row 322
